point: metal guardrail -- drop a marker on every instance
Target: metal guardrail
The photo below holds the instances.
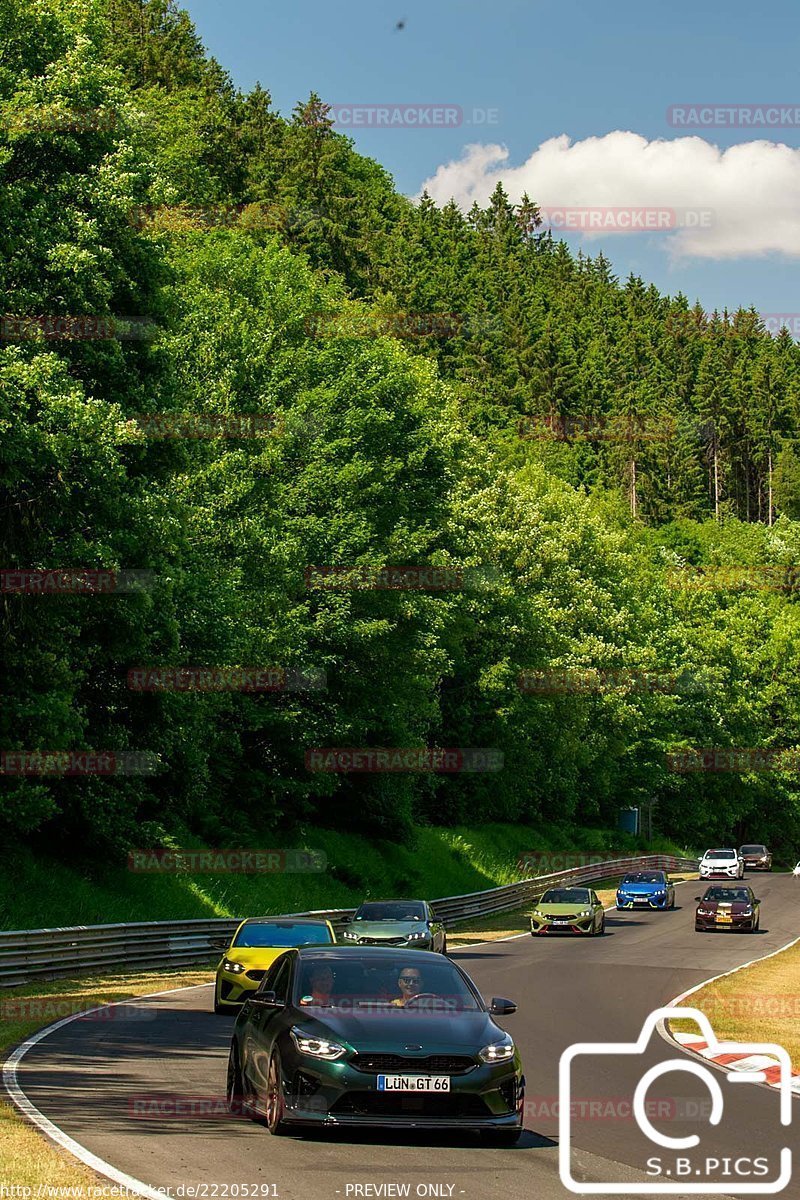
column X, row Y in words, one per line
column 28, row 954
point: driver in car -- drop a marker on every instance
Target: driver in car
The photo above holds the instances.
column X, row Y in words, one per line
column 409, row 984
column 320, row 982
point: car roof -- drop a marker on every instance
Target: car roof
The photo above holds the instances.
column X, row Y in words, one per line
column 569, row 887
column 285, row 921
column 390, row 901
column 377, row 952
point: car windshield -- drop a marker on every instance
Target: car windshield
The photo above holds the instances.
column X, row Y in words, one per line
column 645, row 877
column 720, row 854
column 361, row 982
column 401, row 911
column 728, row 895
column 566, row 896
column 753, row 850
column 267, row 933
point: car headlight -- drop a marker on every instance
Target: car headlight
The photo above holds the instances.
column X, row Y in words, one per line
column 419, row 936
column 350, row 937
column 235, row 968
column 497, row 1051
column 317, row 1047
column 747, row 912
column 705, row 912
column 587, row 912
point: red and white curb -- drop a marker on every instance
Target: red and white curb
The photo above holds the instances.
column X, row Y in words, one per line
column 729, row 1056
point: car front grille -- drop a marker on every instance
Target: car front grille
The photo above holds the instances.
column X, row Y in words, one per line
column 403, row 1104
column 387, row 941
column 254, row 974
column 567, row 917
column 433, row 1064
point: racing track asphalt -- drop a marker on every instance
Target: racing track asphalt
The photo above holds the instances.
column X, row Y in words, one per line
column 83, row 1075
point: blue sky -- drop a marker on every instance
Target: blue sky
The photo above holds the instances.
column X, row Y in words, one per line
column 579, row 69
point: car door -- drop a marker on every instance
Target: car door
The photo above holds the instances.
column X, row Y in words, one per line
column 263, row 1022
column 437, row 929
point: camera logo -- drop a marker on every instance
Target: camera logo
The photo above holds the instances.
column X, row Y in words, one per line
column 676, row 1171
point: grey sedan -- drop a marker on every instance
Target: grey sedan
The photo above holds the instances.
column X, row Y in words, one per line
column 411, row 924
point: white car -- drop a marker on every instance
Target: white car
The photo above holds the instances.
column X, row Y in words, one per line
column 727, row 864
column 796, row 871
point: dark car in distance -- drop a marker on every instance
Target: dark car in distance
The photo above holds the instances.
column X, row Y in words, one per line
column 756, row 858
column 365, row 1035
column 728, row 908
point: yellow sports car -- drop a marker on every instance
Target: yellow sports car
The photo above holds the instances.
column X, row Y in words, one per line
column 254, row 947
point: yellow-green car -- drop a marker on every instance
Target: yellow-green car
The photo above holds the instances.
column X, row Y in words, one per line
column 254, row 947
column 575, row 910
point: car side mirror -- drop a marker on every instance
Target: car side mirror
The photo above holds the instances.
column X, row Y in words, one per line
column 755, row 901
column 698, row 898
column 501, row 1007
column 219, row 943
column 264, row 1000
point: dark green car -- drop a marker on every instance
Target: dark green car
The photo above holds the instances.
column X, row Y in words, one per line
column 411, row 923
column 345, row 1036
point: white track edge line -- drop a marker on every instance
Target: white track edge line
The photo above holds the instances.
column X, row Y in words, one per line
column 49, row 1128
column 95, row 1163
column 661, row 1026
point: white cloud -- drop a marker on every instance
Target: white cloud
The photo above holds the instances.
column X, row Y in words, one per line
column 750, row 193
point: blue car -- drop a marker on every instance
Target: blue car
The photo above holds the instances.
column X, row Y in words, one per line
column 646, row 889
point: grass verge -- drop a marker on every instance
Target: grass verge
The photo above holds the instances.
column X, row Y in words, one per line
column 28, row 1159
column 756, row 1004
column 36, row 892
